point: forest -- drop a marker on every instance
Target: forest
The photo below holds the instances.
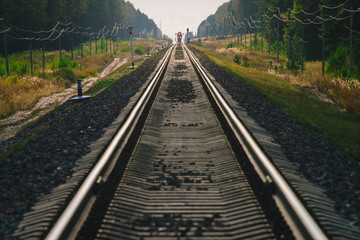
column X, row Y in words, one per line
column 296, row 24
column 87, row 17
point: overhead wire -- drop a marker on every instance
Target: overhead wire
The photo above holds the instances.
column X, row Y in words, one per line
column 55, row 33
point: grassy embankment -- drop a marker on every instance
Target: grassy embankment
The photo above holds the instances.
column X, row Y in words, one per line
column 20, row 90
column 288, row 91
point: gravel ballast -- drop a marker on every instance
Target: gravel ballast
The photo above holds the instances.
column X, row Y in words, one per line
column 57, row 142
column 319, row 161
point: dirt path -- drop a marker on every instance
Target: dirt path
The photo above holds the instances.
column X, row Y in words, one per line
column 21, row 118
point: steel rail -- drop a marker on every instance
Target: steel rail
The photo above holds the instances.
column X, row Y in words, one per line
column 297, row 216
column 63, row 228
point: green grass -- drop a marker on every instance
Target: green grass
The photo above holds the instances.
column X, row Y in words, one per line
column 110, row 80
column 341, row 128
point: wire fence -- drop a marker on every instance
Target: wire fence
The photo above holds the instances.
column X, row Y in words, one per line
column 299, row 18
column 109, row 34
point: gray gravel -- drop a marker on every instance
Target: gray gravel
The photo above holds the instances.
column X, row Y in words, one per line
column 61, row 138
column 57, row 142
column 320, row 162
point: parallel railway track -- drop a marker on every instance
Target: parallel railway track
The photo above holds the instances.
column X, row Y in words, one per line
column 184, row 166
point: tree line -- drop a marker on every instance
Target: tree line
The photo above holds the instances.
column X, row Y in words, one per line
column 39, row 15
column 293, row 25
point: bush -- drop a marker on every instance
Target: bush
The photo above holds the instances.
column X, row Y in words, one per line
column 66, row 62
column 19, row 67
column 338, row 62
column 237, row 59
column 293, row 66
column 2, row 67
column 282, row 48
column 139, row 49
column 66, row 74
column 230, row 45
column 246, row 62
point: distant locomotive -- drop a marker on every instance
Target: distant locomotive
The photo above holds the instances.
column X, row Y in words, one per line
column 179, row 36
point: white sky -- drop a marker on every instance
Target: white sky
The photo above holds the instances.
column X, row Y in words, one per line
column 177, row 15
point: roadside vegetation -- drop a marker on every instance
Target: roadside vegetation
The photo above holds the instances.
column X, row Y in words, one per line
column 327, row 104
column 20, row 90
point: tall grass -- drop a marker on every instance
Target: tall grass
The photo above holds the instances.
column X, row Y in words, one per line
column 286, row 90
column 17, row 66
column 346, row 92
column 21, row 93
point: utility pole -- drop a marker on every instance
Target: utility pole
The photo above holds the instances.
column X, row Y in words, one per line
column 72, row 46
column 60, row 45
column 245, row 36
column 269, row 42
column 5, row 50
column 302, row 44
column 278, row 39
column 90, row 44
column 289, row 40
column 262, row 38
column 351, row 40
column 31, row 59
column 241, row 36
column 250, row 40
column 81, row 46
column 323, row 44
column 43, row 55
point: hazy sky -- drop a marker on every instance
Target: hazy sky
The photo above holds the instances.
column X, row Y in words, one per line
column 177, row 15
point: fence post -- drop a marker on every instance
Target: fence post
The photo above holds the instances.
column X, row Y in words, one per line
column 250, row 40
column 289, row 42
column 241, row 38
column 351, row 40
column 245, row 38
column 90, row 45
column 278, row 40
column 302, row 44
column 5, row 50
column 96, row 41
column 255, row 40
column 106, row 45
column 60, row 46
column 262, row 38
column 323, row 45
column 269, row 42
column 110, row 44
column 72, row 46
column 31, row 59
column 81, row 46
column 43, row 56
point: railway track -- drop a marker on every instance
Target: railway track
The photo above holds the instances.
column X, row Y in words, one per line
column 182, row 166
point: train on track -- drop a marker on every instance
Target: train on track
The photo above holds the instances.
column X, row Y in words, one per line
column 179, row 36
